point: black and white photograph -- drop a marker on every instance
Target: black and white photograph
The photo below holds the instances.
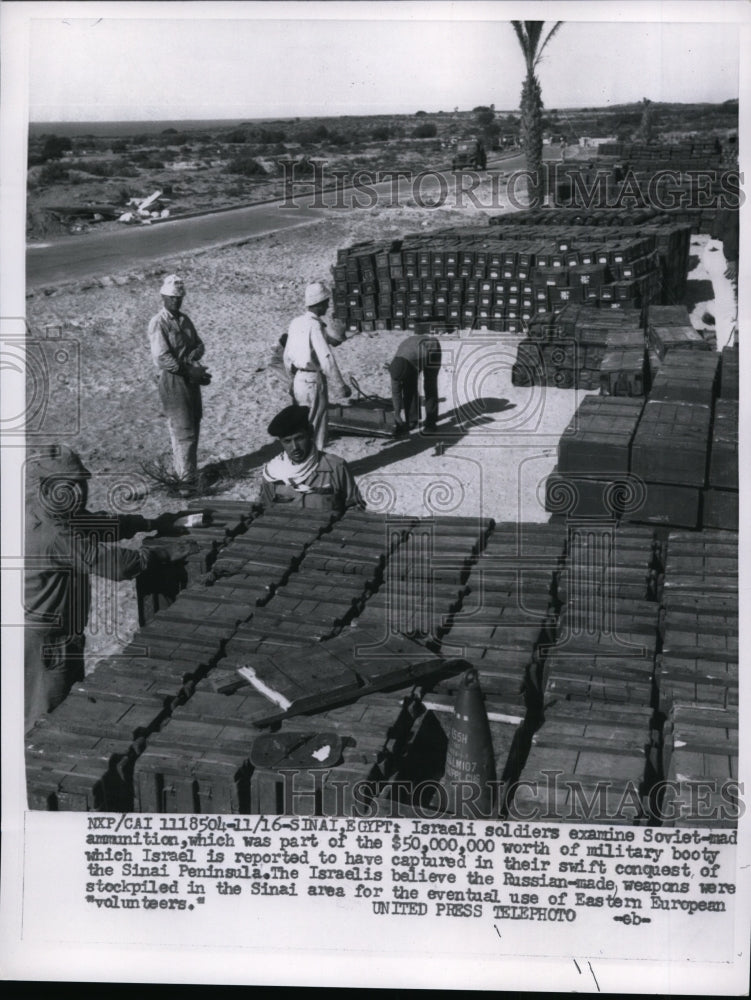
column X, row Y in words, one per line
column 370, row 494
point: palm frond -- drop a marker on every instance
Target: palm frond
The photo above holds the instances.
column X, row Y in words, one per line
column 550, row 34
column 534, row 32
column 521, row 35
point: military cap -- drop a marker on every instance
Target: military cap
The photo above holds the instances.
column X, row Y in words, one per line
column 315, row 293
column 172, row 285
column 290, row 420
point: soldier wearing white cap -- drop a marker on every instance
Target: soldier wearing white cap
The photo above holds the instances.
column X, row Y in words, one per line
column 176, row 350
column 310, row 361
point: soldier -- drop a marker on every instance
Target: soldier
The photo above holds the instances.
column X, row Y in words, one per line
column 176, row 350
column 415, row 354
column 302, row 475
column 64, row 545
column 308, row 358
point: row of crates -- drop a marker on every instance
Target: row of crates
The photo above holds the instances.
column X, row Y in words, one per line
column 493, row 277
column 537, row 609
column 705, row 150
column 640, row 694
column 697, row 678
column 595, row 756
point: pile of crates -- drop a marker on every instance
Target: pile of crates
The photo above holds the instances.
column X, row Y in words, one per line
column 497, row 278
column 697, row 675
column 669, row 460
column 325, row 612
column 585, row 348
column 669, row 328
column 592, row 475
column 707, row 150
column 646, row 172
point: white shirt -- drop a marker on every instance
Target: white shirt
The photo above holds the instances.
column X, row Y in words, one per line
column 307, row 347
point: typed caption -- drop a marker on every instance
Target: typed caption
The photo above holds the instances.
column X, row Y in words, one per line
column 491, row 871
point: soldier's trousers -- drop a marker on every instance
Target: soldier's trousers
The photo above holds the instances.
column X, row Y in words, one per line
column 310, row 389
column 52, row 665
column 181, row 400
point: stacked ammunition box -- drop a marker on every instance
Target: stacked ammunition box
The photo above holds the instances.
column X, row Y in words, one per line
column 720, row 499
column 697, row 676
column 341, row 622
column 593, row 759
column 592, row 477
column 669, row 454
column 508, row 612
column 157, row 588
column 201, row 760
column 128, row 697
column 585, row 348
column 705, row 149
column 498, row 278
column 645, row 172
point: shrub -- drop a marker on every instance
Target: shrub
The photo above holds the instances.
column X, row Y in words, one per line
column 272, row 135
column 426, row 131
column 52, row 172
column 106, row 168
column 246, row 166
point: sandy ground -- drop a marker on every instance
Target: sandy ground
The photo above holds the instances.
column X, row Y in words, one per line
column 496, row 442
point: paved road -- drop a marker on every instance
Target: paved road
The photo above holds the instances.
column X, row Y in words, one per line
column 99, row 253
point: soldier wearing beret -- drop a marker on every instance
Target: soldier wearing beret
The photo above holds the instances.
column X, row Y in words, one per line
column 176, row 350
column 302, row 475
column 64, row 544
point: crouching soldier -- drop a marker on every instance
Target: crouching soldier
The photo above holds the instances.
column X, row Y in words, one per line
column 302, row 475
column 64, row 544
column 415, row 354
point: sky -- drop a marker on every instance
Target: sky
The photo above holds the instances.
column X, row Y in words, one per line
column 207, row 60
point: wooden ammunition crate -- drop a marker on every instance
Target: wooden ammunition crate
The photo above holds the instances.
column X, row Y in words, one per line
column 623, row 372
column 581, row 495
column 669, row 505
column 720, row 509
column 670, row 444
column 596, row 783
column 723, row 461
column 695, row 679
column 597, row 440
column 729, row 370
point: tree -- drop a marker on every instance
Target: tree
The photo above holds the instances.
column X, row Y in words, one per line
column 54, row 147
column 647, row 124
column 483, row 116
column 529, row 34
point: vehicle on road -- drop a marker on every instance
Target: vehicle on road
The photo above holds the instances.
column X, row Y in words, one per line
column 469, row 154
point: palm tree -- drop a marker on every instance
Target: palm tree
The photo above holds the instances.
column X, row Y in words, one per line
column 529, row 34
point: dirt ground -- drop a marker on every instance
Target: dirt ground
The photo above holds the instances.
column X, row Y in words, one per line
column 496, row 442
